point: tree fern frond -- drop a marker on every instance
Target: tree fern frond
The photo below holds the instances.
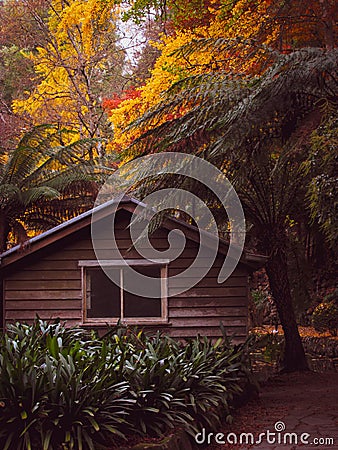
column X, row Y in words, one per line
column 8, row 193
column 237, row 110
column 46, row 177
column 34, row 194
column 30, row 149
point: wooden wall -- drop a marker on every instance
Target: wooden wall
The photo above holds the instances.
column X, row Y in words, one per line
column 49, row 283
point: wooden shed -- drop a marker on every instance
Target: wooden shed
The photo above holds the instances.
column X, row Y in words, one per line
column 56, row 275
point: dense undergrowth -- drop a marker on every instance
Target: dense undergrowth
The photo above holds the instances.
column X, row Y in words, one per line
column 68, row 389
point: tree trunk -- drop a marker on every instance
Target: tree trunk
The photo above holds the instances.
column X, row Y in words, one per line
column 328, row 15
column 276, row 269
column 4, row 231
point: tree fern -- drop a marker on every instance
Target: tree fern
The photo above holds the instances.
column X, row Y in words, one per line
column 252, row 128
column 44, row 181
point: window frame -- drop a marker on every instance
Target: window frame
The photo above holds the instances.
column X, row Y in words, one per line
column 162, row 263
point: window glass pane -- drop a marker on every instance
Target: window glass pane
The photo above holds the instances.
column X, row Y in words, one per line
column 137, row 306
column 103, row 296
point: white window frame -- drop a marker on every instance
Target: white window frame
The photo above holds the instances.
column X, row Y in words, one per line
column 86, row 264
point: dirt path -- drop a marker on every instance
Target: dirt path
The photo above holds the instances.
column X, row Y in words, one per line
column 291, row 403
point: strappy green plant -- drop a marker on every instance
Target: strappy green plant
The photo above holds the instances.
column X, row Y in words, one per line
column 66, row 388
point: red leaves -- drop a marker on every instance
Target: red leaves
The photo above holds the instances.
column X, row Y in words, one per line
column 109, row 104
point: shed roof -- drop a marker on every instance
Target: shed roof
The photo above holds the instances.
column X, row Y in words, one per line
column 19, row 252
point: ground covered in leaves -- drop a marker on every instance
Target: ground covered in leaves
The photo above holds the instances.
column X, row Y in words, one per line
column 303, row 331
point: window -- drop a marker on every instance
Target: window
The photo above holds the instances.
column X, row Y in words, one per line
column 107, row 298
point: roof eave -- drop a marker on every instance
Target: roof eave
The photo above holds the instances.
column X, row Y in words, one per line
column 253, row 261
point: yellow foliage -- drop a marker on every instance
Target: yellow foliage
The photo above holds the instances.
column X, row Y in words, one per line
column 241, row 23
column 79, row 32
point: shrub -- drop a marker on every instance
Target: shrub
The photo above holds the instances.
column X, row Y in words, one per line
column 58, row 389
column 325, row 317
column 259, row 298
column 182, row 385
column 268, row 347
column 66, row 389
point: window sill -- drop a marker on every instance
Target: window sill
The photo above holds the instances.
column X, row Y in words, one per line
column 99, row 322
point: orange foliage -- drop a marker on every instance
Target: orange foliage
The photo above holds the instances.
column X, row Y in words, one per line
column 193, row 14
column 303, row 331
column 108, row 104
column 235, row 37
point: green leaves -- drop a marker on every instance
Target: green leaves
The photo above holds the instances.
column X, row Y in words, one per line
column 322, row 167
column 46, row 179
column 60, row 386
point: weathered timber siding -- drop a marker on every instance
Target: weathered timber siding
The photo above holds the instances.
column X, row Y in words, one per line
column 49, row 284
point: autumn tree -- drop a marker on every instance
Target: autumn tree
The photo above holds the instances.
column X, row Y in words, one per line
column 191, row 51
column 145, row 57
column 18, row 34
column 79, row 61
column 229, row 36
column 171, row 14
